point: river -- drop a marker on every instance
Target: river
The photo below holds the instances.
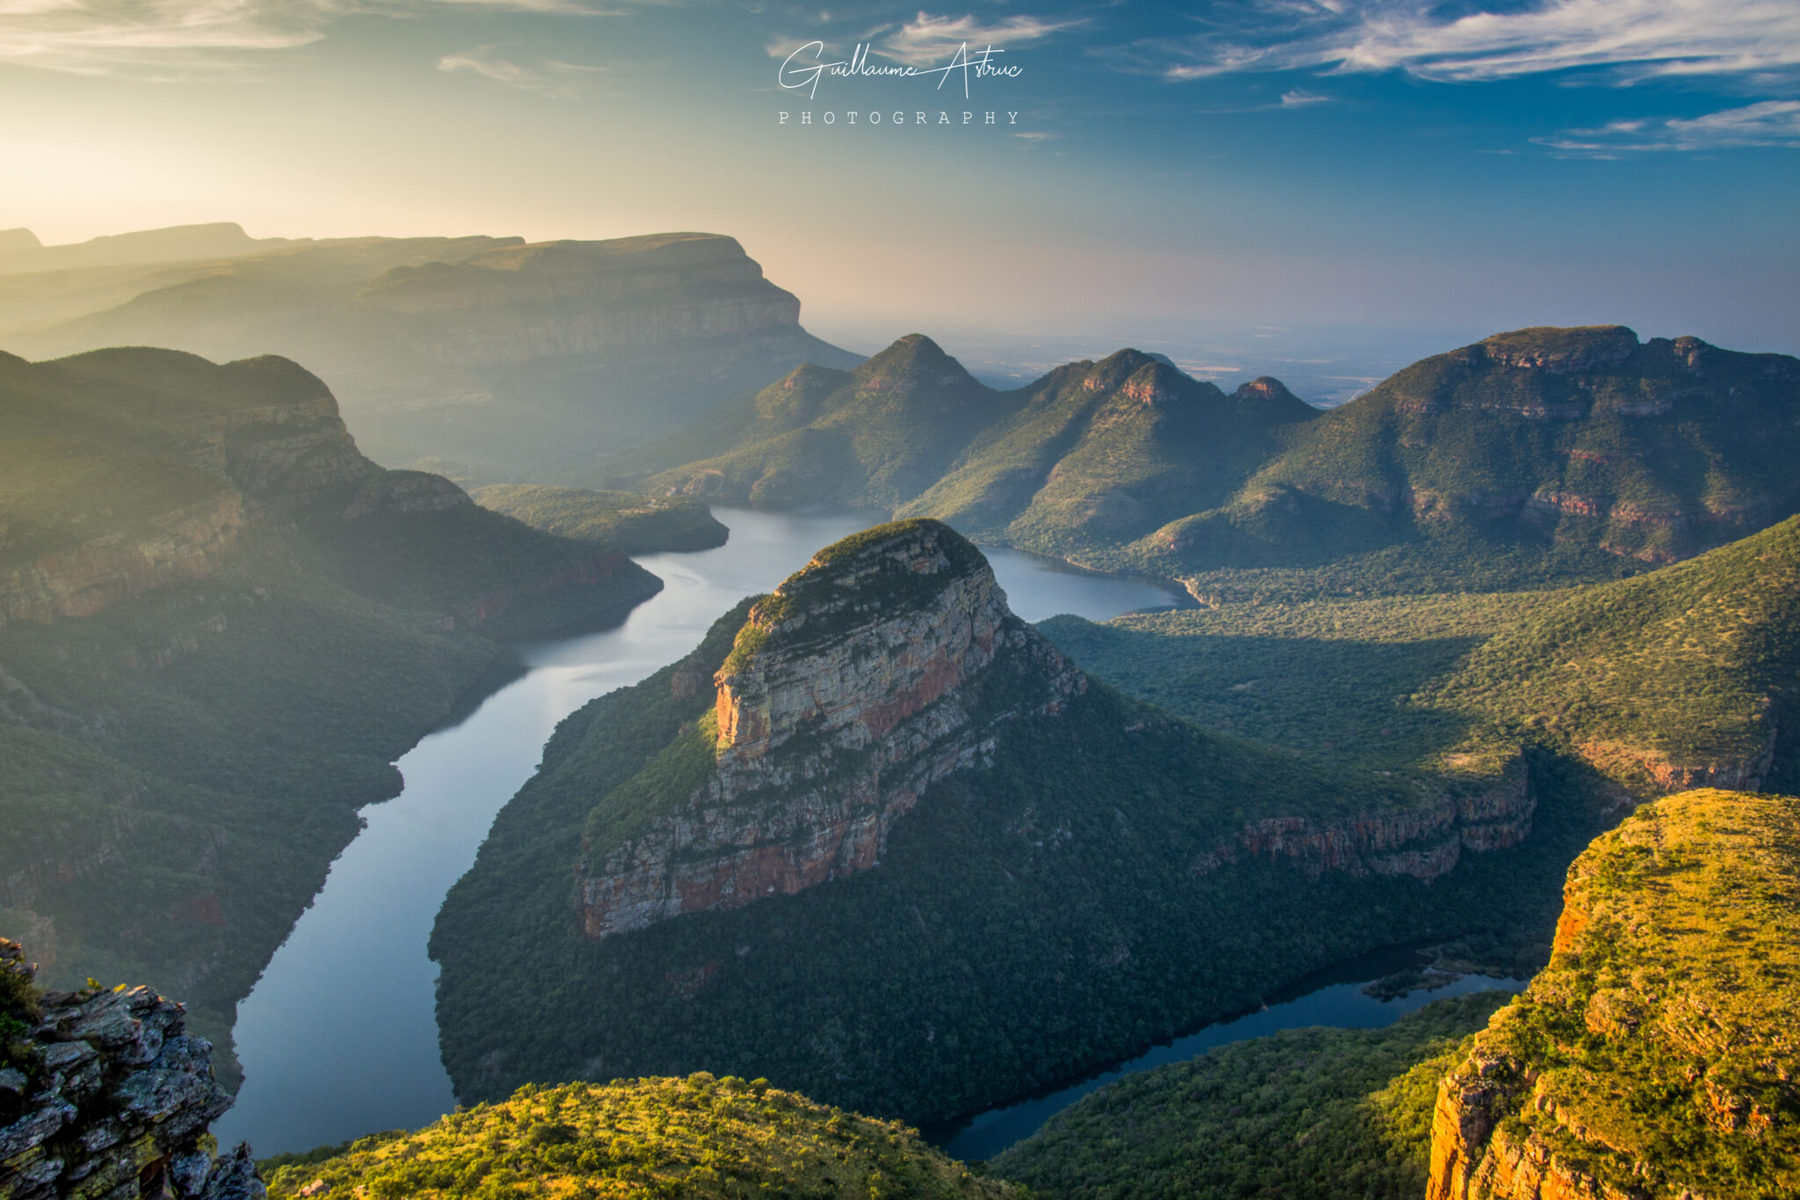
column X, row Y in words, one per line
column 339, row 1036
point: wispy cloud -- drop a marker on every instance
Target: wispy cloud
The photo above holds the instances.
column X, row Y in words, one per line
column 1300, row 98
column 1770, row 123
column 546, row 77
column 1634, row 38
column 176, row 39
column 929, row 41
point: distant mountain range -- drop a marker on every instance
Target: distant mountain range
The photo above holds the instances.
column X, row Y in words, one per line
column 509, row 362
column 1528, row 453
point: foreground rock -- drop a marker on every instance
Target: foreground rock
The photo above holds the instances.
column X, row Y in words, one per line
column 1657, row 1055
column 108, row 1096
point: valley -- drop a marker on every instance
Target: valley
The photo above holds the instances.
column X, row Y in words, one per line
column 879, row 839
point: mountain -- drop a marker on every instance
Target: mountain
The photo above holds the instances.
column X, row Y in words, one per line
column 1329, row 1114
column 868, row 438
column 1537, row 456
column 1654, row 1056
column 21, row 251
column 219, row 624
column 1102, row 451
column 1648, row 450
column 878, row 840
column 518, row 361
column 698, row 1137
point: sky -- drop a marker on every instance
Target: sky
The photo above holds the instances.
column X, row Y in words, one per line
column 1445, row 170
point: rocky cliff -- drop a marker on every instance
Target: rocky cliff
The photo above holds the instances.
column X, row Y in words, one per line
column 520, row 303
column 105, row 1095
column 1424, row 841
column 1656, row 1056
column 849, row 690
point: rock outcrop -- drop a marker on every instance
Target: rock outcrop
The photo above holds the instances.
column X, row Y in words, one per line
column 854, row 686
column 1425, row 841
column 107, row 1096
column 1656, row 1056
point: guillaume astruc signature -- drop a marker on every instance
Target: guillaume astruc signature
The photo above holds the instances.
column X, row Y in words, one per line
column 803, row 69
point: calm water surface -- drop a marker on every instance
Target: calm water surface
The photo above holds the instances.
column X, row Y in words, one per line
column 339, row 1036
column 1343, row 1004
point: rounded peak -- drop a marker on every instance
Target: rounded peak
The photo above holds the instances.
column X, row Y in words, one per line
column 912, row 360
column 1560, row 348
column 1152, row 371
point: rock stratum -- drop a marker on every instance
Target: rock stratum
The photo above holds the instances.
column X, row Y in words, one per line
column 847, row 694
column 878, row 840
column 105, row 1095
column 1656, row 1056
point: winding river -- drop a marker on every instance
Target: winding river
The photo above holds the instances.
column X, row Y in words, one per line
column 339, row 1036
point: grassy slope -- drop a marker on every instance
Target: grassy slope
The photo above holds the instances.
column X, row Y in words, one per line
column 1330, row 1114
column 1656, row 1051
column 697, row 1137
column 1687, row 665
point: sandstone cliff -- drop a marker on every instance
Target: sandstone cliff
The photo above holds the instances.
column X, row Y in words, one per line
column 1424, row 841
column 1656, row 1056
column 105, row 1095
column 850, row 689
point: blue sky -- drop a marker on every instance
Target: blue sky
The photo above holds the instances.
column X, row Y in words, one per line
column 1283, row 163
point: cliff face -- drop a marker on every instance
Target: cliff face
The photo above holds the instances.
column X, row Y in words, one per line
column 552, row 299
column 853, row 687
column 108, row 1095
column 1425, row 842
column 1656, row 1056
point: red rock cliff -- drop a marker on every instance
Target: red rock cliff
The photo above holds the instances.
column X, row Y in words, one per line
column 851, row 690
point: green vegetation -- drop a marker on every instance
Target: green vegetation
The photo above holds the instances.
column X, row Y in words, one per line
column 1329, row 1114
column 636, row 524
column 889, row 429
column 1542, row 457
column 219, row 625
column 1004, row 943
column 1655, row 1054
column 699, row 1137
column 19, row 1010
column 1650, row 680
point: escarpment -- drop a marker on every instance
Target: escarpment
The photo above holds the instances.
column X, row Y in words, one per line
column 1656, row 1056
column 854, row 686
column 106, row 1095
column 1424, row 841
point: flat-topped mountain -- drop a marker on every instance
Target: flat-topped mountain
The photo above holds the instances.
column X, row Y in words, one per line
column 878, row 839
column 219, row 624
column 1655, row 1056
column 518, row 361
column 1533, row 455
